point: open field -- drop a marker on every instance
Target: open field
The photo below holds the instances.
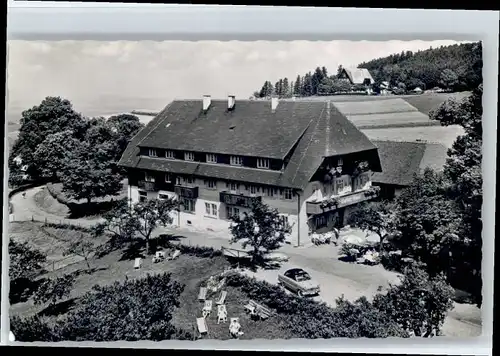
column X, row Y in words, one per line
column 437, row 134
column 427, row 102
column 398, row 105
column 414, row 118
column 49, row 240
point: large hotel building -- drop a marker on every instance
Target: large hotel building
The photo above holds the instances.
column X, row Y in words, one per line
column 304, row 158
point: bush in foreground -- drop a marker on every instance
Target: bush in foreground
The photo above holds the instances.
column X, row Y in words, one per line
column 134, row 310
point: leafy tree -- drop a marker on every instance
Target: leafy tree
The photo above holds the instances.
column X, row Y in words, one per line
column 374, row 216
column 419, row 304
column 126, row 127
column 53, row 290
column 53, row 115
column 427, row 222
column 147, row 216
column 463, row 172
column 90, row 172
column 138, row 309
column 82, row 248
column 362, row 319
column 118, row 222
column 262, row 229
column 53, row 152
column 25, row 261
column 449, row 79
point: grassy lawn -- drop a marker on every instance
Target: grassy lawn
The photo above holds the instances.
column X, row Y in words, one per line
column 427, row 102
column 49, row 204
column 49, row 240
column 117, row 266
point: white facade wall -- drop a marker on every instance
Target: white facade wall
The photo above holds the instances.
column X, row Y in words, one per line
column 201, row 221
column 294, row 209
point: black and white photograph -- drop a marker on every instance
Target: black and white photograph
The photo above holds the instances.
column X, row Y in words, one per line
column 240, row 190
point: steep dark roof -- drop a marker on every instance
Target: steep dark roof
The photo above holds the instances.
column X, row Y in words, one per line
column 313, row 130
column 401, row 160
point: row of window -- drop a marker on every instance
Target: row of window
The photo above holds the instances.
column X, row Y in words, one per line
column 262, row 163
column 231, row 186
column 188, row 205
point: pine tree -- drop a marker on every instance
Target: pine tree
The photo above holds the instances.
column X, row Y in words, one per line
column 297, row 88
column 285, row 88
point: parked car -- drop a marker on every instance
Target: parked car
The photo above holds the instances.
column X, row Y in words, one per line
column 299, row 281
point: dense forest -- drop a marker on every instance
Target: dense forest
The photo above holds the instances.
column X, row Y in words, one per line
column 453, row 68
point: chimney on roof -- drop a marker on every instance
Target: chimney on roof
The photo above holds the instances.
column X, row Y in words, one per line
column 206, row 102
column 274, row 104
column 231, row 100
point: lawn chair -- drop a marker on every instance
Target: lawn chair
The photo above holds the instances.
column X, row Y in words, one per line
column 207, row 308
column 138, row 263
column 202, row 326
column 176, row 254
column 203, row 294
column 222, row 298
column 221, row 314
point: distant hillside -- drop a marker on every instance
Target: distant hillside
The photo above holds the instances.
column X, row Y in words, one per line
column 456, row 67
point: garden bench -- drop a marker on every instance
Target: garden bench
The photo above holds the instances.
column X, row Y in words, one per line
column 207, row 308
column 222, row 298
column 203, row 294
column 256, row 309
column 137, row 263
column 202, row 326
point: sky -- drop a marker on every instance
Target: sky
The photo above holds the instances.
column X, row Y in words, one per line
column 108, row 77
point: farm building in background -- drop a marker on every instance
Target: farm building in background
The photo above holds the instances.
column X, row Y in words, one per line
column 401, row 161
column 356, row 76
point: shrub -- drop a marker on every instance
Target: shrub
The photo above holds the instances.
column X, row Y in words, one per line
column 68, row 227
column 32, row 328
column 134, row 310
column 53, row 290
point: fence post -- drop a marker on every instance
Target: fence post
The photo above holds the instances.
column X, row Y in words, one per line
column 32, row 218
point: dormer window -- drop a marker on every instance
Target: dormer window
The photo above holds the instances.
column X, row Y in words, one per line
column 152, row 152
column 189, row 156
column 169, row 154
column 211, row 158
column 263, row 163
column 236, row 161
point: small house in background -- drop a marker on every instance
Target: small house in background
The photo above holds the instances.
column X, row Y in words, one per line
column 357, row 76
column 402, row 160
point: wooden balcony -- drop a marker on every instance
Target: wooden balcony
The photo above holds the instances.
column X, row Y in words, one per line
column 147, row 186
column 325, row 205
column 186, row 191
column 238, row 199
